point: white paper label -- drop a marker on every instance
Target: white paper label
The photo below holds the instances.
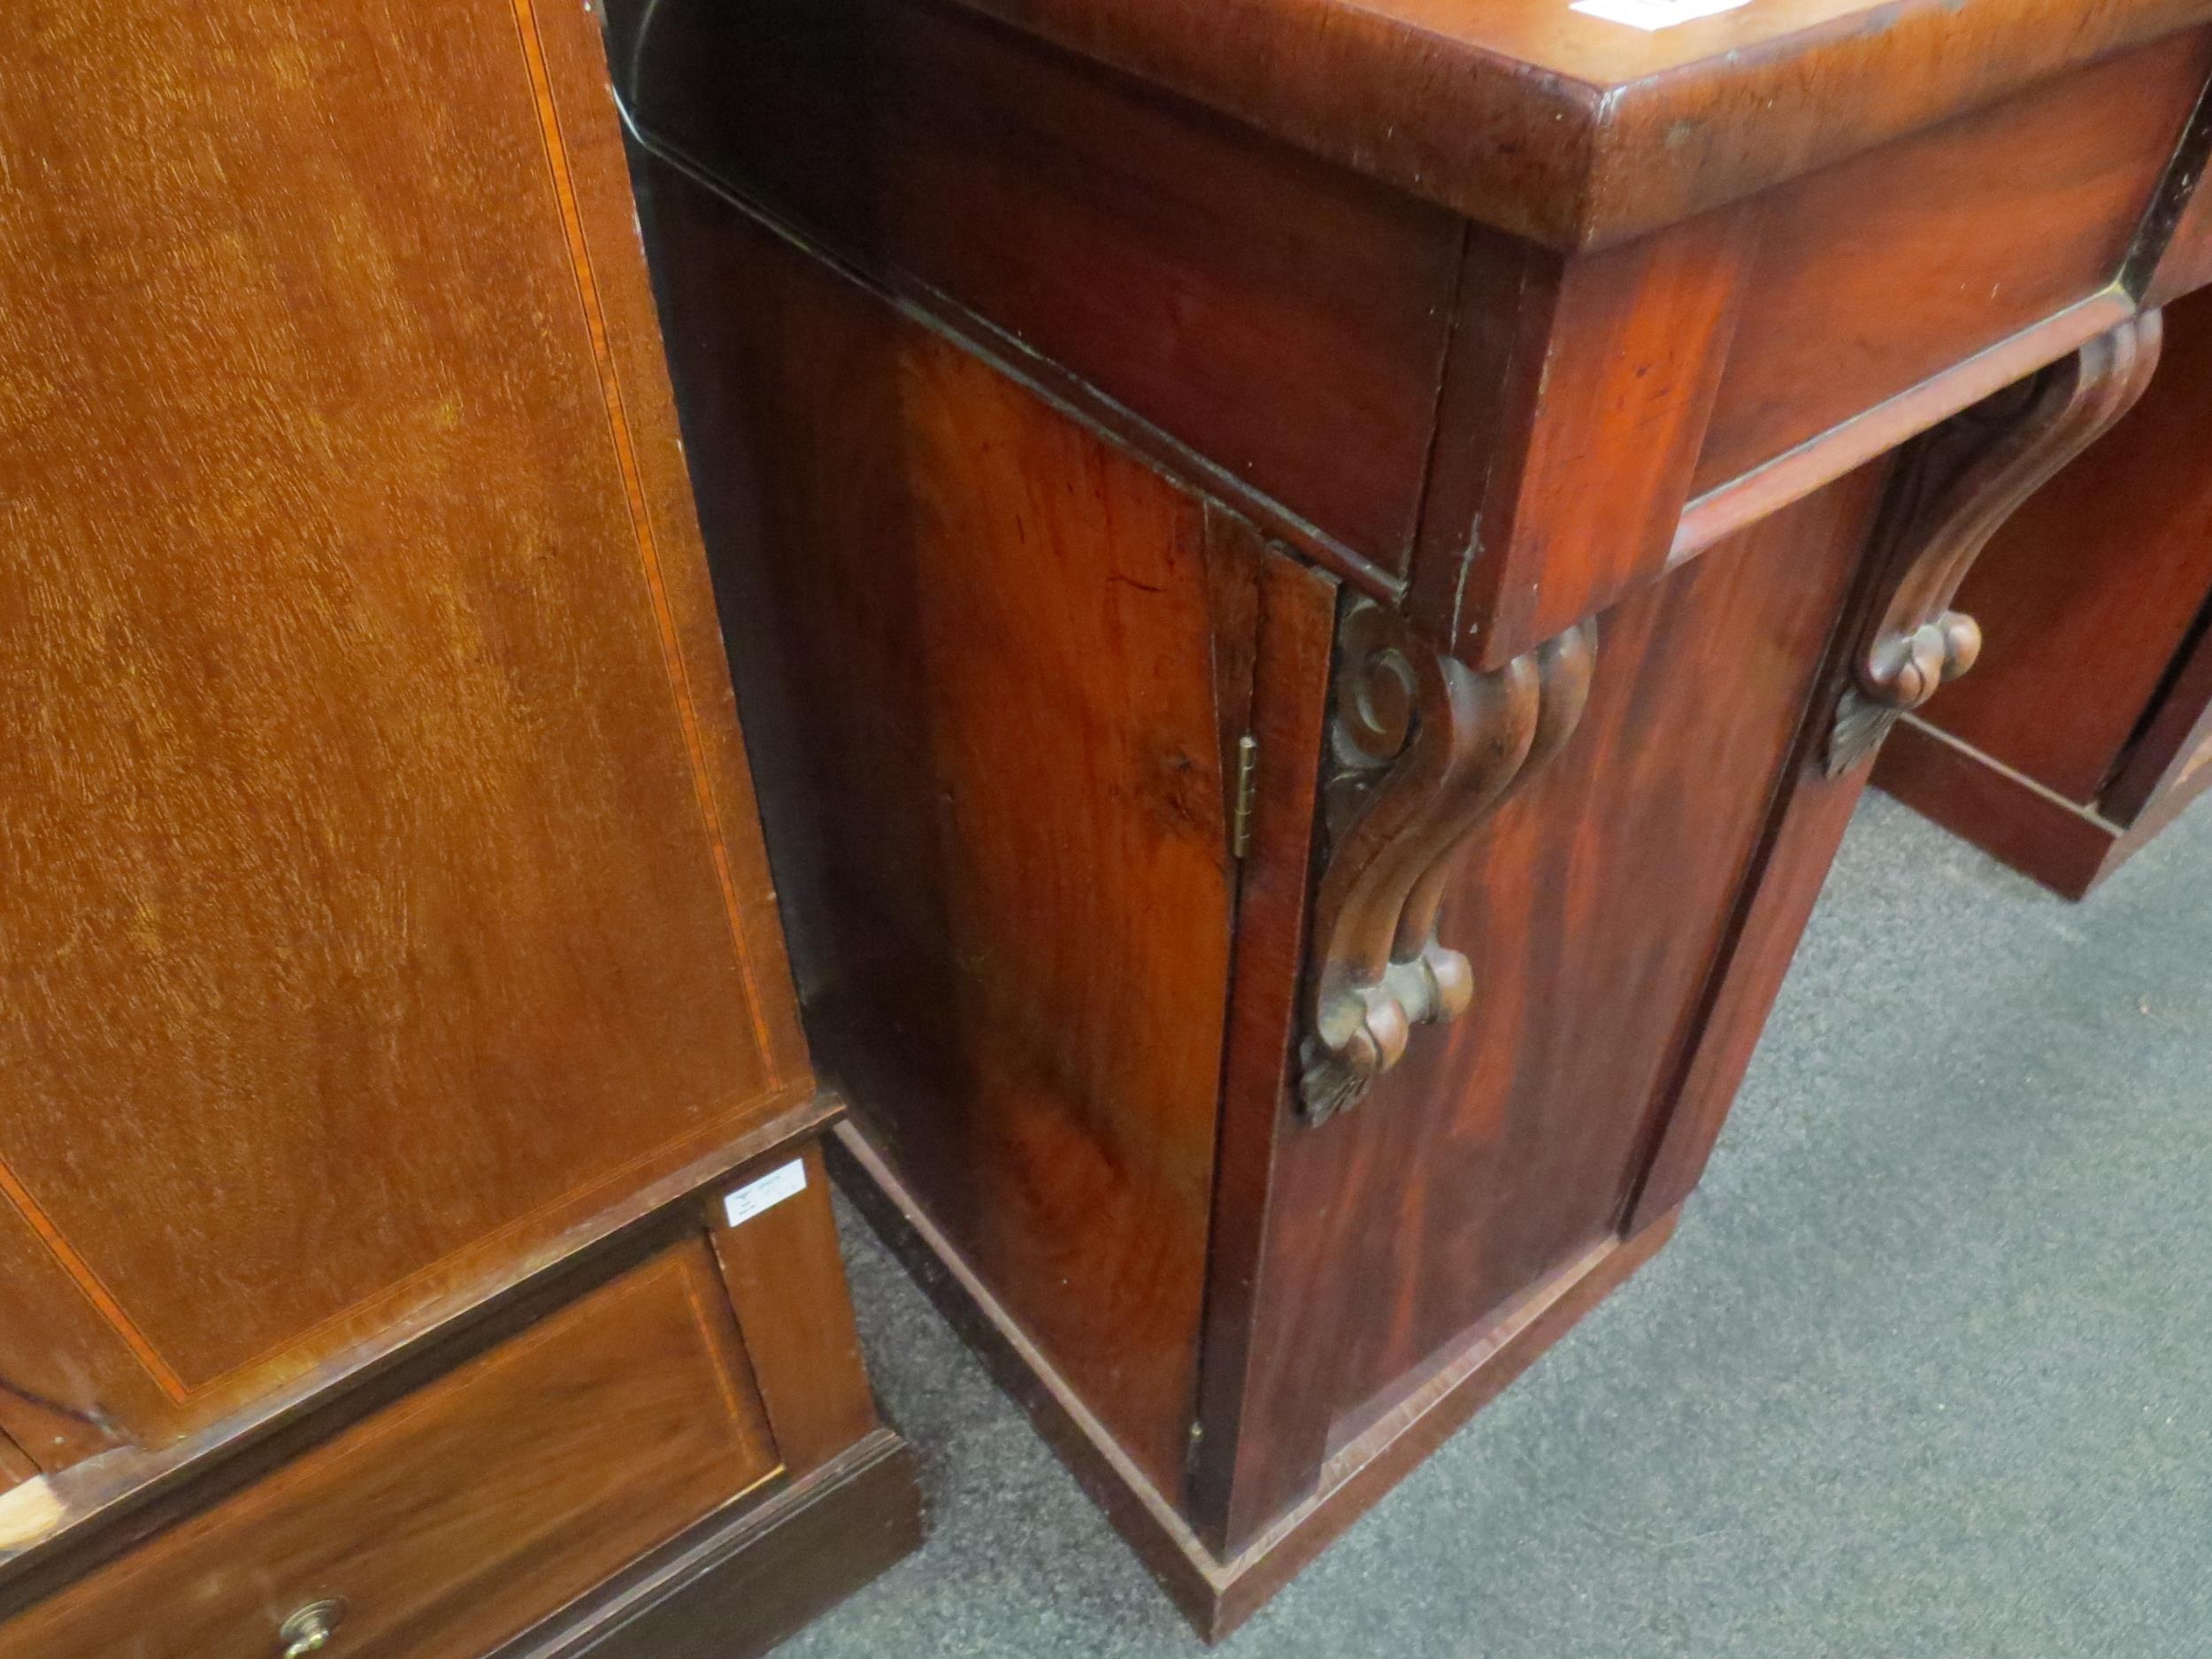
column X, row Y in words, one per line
column 1653, row 14
column 771, row 1189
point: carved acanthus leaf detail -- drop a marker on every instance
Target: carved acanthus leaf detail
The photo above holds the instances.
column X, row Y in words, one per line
column 1422, row 748
column 1952, row 492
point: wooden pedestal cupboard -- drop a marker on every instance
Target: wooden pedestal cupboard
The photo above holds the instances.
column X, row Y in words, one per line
column 1313, row 585
column 2087, row 726
column 395, row 997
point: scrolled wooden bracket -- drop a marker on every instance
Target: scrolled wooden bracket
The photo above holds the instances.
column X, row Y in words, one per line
column 1422, row 749
column 1951, row 494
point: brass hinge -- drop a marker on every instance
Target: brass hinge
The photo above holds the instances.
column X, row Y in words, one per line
column 1248, row 785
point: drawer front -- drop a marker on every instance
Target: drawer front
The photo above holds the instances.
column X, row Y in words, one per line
column 464, row 1513
column 1879, row 273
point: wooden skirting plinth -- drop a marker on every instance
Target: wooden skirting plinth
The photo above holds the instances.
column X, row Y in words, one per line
column 732, row 1588
column 1217, row 1595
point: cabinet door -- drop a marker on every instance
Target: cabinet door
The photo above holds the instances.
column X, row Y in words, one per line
column 1000, row 670
column 382, row 888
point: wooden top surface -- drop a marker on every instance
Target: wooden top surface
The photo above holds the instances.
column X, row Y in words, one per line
column 1578, row 131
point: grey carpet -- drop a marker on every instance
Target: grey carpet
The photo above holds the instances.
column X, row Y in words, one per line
column 1926, row 1371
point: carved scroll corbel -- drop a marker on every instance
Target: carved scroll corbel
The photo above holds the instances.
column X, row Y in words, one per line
column 1422, row 749
column 1951, row 494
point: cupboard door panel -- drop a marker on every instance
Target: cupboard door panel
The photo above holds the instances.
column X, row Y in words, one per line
column 382, row 887
column 1001, row 822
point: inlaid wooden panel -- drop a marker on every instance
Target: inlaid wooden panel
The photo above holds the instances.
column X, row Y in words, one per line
column 1001, row 827
column 467, row 1512
column 62, row 1365
column 382, row 888
column 1877, row 273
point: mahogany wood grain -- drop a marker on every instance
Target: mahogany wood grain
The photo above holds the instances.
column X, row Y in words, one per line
column 2065, row 846
column 1896, row 643
column 2170, row 760
column 1218, row 1593
column 1591, row 907
column 1283, row 316
column 1804, row 821
column 957, row 153
column 1553, row 365
column 1949, row 492
column 2092, row 600
column 1461, row 1381
column 1727, row 508
column 15, row 1464
column 392, row 900
column 1816, row 813
column 51, row 1433
column 2088, row 593
column 1003, row 623
column 1154, row 1527
column 1889, row 269
column 786, row 1281
column 2187, row 266
column 476, row 1507
column 53, row 1346
column 1578, row 132
column 1295, row 640
column 1002, row 836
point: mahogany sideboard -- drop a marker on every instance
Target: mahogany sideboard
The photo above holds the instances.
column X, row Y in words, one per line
column 2087, row 726
column 399, row 1053
column 1313, row 584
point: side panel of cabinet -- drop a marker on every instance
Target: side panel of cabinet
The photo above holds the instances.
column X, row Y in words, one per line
column 786, row 1281
column 383, row 889
column 1593, row 909
column 993, row 664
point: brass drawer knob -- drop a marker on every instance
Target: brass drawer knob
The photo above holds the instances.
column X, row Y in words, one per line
column 310, row 1630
